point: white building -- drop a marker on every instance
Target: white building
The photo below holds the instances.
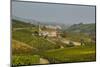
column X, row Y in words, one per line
column 50, row 31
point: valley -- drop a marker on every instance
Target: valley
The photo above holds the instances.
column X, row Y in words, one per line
column 46, row 44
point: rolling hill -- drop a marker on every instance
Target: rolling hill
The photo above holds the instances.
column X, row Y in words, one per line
column 20, row 24
column 83, row 28
column 28, row 48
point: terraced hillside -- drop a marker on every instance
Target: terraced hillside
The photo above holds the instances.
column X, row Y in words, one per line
column 26, row 43
column 34, row 41
column 29, row 48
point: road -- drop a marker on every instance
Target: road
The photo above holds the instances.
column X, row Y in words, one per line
column 68, row 41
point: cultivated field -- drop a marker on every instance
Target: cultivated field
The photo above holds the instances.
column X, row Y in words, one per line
column 28, row 48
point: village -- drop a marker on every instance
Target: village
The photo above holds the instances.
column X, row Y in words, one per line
column 49, row 33
column 53, row 33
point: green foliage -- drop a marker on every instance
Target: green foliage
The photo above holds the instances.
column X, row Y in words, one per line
column 18, row 60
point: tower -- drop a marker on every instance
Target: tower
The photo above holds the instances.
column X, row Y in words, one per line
column 39, row 29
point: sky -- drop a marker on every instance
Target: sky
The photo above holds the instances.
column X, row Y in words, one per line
column 54, row 13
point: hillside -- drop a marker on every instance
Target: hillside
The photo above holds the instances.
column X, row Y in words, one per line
column 26, row 44
column 75, row 54
column 20, row 47
column 26, row 33
column 83, row 28
column 20, row 24
column 30, row 48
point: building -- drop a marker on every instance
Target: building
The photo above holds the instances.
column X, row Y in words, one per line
column 49, row 30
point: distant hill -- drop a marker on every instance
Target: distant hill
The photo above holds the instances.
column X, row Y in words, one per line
column 84, row 28
column 20, row 24
column 36, row 22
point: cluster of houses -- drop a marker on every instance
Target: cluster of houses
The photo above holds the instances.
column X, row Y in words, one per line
column 54, row 31
column 49, row 30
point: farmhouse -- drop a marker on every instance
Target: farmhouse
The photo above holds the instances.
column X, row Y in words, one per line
column 49, row 30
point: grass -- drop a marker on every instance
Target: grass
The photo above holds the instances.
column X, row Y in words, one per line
column 51, row 51
column 74, row 54
column 22, row 48
column 27, row 49
column 35, row 41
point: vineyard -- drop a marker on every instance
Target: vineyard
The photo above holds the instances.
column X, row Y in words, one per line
column 28, row 48
column 73, row 54
column 34, row 41
column 25, row 59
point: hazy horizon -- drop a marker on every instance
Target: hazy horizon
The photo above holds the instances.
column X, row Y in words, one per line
column 54, row 13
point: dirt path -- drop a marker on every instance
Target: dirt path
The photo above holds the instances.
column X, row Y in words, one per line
column 77, row 43
column 67, row 42
column 44, row 61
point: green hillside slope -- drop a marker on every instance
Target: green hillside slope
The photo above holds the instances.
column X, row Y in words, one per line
column 84, row 28
column 75, row 54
